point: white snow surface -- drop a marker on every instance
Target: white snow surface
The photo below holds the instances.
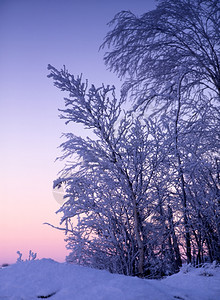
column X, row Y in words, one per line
column 47, row 279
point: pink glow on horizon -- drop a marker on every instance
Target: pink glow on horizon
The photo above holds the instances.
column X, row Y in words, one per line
column 23, row 220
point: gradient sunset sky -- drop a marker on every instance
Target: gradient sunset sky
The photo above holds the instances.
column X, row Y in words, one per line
column 33, row 34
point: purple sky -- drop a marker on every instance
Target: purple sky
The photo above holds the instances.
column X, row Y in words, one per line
column 33, row 34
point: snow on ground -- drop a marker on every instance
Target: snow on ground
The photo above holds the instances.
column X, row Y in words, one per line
column 47, row 279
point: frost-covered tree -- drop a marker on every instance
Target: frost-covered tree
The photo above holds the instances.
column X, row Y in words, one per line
column 141, row 186
column 142, row 192
column 170, row 58
column 107, row 189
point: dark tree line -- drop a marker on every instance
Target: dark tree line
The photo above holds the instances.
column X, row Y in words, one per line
column 142, row 196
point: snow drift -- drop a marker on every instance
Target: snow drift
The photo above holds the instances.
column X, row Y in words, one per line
column 45, row 278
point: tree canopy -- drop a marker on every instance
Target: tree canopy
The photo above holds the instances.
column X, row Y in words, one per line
column 154, row 50
column 142, row 194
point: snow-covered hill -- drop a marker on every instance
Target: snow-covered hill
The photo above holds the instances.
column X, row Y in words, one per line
column 47, row 279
